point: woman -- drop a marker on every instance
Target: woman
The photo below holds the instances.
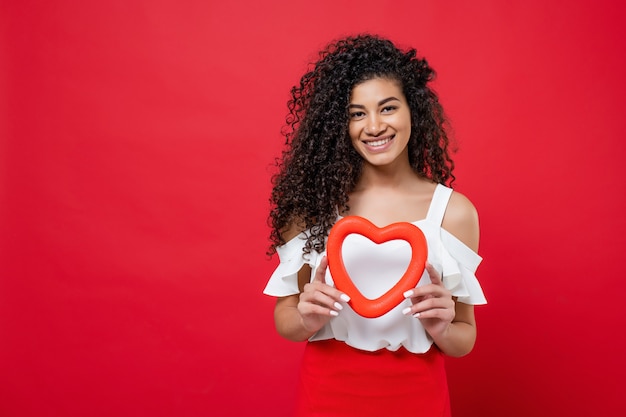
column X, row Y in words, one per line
column 366, row 138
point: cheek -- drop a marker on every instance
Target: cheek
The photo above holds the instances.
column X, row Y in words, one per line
column 353, row 132
column 407, row 120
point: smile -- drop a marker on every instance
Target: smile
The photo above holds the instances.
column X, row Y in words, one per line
column 378, row 142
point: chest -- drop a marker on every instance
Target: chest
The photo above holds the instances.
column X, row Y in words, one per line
column 383, row 209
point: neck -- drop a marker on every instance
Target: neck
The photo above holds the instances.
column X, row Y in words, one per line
column 385, row 176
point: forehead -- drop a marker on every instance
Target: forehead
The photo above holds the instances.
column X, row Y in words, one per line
column 376, row 89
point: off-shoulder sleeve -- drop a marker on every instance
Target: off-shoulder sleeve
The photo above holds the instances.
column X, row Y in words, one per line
column 284, row 279
column 462, row 262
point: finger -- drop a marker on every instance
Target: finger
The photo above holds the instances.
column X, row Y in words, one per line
column 324, row 294
column 433, row 303
column 419, row 311
column 442, row 313
column 320, row 272
column 435, row 278
column 425, row 292
column 434, row 275
column 320, row 277
column 436, row 313
column 314, row 309
column 318, row 302
column 317, row 294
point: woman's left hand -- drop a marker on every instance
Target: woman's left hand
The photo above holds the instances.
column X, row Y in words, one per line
column 432, row 304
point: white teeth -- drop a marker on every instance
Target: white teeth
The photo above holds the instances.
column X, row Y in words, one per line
column 378, row 142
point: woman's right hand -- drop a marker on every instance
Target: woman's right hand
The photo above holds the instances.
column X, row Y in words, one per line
column 319, row 302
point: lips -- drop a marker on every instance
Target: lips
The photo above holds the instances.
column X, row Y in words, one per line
column 378, row 142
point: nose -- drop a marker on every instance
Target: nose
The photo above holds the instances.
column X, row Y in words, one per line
column 374, row 126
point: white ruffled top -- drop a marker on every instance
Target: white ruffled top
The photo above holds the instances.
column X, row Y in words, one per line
column 374, row 269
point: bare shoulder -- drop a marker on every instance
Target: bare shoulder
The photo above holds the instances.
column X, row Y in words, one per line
column 461, row 219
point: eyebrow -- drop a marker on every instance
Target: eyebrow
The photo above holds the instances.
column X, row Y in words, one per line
column 380, row 103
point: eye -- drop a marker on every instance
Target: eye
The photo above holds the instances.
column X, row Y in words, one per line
column 388, row 109
column 357, row 115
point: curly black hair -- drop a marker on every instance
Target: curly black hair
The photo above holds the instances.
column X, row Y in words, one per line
column 319, row 166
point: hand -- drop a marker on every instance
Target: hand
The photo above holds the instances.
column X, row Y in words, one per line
column 319, row 302
column 432, row 304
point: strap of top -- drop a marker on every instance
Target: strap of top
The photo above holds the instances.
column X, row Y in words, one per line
column 438, row 204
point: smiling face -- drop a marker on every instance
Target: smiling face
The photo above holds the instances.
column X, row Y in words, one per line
column 380, row 122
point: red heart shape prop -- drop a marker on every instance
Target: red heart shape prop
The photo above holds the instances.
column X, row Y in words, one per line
column 364, row 306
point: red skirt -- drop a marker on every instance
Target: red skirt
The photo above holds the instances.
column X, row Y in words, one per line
column 338, row 380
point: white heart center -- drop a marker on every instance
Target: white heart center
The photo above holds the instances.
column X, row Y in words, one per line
column 375, row 268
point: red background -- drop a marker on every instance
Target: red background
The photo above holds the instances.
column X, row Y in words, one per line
column 136, row 145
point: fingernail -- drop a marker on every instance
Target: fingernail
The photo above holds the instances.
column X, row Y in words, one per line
column 338, row 306
column 333, row 313
column 416, row 315
column 345, row 297
column 406, row 310
column 408, row 293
